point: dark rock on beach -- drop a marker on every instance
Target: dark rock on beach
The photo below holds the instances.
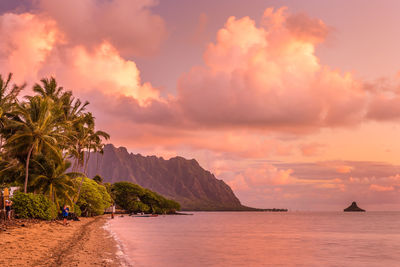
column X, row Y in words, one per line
column 353, row 207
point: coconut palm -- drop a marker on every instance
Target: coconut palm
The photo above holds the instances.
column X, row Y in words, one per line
column 8, row 98
column 49, row 88
column 87, row 139
column 11, row 170
column 40, row 133
column 95, row 144
column 37, row 128
column 51, row 178
column 73, row 108
column 81, row 131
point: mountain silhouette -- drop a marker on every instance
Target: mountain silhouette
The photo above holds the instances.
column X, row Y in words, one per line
column 177, row 178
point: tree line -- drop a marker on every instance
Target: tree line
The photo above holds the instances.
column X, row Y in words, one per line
column 134, row 198
column 46, row 140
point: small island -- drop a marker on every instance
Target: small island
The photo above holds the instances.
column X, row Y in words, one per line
column 353, row 208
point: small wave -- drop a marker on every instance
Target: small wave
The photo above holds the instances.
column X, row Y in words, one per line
column 122, row 256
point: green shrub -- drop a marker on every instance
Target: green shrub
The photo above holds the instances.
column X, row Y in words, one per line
column 98, row 179
column 134, row 198
column 33, row 206
column 93, row 199
column 77, row 210
column 127, row 196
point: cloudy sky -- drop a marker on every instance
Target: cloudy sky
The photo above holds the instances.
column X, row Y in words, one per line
column 294, row 104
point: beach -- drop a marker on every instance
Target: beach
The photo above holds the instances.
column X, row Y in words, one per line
column 43, row 243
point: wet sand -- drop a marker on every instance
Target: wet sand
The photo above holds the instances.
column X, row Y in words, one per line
column 40, row 243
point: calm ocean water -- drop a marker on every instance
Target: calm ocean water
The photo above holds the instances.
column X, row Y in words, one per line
column 262, row 239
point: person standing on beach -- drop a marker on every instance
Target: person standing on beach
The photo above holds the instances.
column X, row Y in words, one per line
column 8, row 208
column 65, row 212
column 113, row 211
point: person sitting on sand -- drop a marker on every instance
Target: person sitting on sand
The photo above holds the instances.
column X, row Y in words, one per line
column 65, row 212
column 8, row 208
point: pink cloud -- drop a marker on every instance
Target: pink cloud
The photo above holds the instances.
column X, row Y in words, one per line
column 239, row 184
column 314, row 185
column 380, row 188
column 344, row 169
column 261, row 179
column 269, row 77
column 199, row 33
column 385, row 107
column 311, row 149
column 34, row 47
column 101, row 69
column 268, row 174
column 306, row 28
column 385, row 99
column 255, row 78
column 128, row 25
column 26, row 43
column 316, row 188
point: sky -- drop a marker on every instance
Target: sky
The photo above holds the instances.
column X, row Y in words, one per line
column 294, row 104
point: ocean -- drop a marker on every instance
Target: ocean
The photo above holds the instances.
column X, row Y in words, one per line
column 261, row 239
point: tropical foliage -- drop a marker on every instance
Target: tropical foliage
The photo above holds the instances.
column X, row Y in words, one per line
column 34, row 206
column 46, row 140
column 134, row 198
column 94, row 198
column 42, row 137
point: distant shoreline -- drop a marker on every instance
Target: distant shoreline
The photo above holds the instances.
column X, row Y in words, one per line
column 255, row 210
column 242, row 208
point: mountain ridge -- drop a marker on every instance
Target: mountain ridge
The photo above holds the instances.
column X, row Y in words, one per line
column 177, row 178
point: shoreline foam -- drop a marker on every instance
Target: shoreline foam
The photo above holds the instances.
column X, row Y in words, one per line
column 125, row 260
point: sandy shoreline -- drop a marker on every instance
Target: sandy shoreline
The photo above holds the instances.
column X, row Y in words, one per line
column 82, row 243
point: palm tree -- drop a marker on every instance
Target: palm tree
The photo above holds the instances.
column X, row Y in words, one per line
column 37, row 128
column 87, row 139
column 8, row 98
column 73, row 108
column 51, row 178
column 51, row 124
column 95, row 144
column 11, row 170
column 80, row 134
column 49, row 88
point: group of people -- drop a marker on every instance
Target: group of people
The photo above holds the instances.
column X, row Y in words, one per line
column 8, row 205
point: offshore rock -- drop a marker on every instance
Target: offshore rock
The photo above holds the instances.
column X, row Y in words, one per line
column 353, row 207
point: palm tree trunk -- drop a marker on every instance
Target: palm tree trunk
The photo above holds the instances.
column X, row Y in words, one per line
column 87, row 162
column 51, row 192
column 27, row 169
column 79, row 191
column 75, row 168
column 77, row 161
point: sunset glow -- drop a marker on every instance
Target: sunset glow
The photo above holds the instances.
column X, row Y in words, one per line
column 275, row 99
